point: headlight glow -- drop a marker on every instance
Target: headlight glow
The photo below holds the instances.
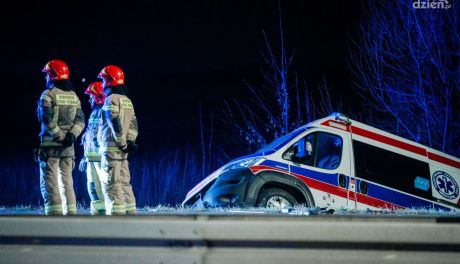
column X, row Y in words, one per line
column 244, row 163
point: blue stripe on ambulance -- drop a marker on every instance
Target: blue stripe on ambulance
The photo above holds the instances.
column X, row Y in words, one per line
column 320, row 176
column 276, row 165
column 396, row 197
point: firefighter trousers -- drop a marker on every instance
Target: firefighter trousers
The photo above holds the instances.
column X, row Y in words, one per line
column 56, row 186
column 93, row 173
column 116, row 186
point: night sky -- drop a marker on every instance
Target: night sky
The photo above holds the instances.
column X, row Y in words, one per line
column 176, row 55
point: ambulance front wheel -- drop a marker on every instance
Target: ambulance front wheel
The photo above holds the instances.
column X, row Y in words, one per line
column 275, row 198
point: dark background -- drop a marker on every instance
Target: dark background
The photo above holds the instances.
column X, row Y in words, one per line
column 176, row 55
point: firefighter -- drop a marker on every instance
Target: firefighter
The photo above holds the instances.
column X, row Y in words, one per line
column 117, row 137
column 91, row 162
column 62, row 121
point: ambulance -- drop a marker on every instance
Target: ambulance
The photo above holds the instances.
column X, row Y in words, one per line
column 335, row 163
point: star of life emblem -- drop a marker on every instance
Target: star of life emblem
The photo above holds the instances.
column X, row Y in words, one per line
column 445, row 185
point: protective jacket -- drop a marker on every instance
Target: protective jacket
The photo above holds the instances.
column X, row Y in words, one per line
column 59, row 112
column 89, row 138
column 119, row 125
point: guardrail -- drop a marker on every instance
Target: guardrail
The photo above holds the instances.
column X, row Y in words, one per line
column 229, row 239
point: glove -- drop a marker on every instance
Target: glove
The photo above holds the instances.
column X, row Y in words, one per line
column 59, row 137
column 83, row 164
column 130, row 147
column 68, row 140
column 40, row 157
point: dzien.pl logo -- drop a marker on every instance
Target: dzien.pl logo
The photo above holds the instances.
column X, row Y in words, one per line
column 431, row 4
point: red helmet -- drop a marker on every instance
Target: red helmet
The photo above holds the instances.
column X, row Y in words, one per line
column 57, row 70
column 112, row 75
column 95, row 90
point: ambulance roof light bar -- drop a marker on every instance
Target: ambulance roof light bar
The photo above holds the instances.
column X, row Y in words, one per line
column 341, row 117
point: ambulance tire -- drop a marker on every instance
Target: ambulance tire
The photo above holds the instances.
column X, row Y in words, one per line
column 275, row 194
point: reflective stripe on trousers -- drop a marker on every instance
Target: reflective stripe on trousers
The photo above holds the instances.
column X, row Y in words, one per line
column 131, row 208
column 97, row 207
column 53, row 209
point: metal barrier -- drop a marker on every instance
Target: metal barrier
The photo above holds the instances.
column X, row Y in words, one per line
column 229, row 239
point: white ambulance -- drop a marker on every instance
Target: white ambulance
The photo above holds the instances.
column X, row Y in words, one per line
column 335, row 162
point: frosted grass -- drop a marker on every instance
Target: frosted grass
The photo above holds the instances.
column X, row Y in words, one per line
column 83, row 209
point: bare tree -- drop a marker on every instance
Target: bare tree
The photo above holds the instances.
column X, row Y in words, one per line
column 209, row 152
column 280, row 104
column 405, row 64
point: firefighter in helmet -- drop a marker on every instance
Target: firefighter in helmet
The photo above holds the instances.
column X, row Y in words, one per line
column 91, row 162
column 117, row 136
column 62, row 121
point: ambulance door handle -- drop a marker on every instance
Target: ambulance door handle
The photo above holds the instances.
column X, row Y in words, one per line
column 363, row 187
column 342, row 180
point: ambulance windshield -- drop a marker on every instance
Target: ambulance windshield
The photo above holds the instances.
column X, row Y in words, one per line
column 281, row 141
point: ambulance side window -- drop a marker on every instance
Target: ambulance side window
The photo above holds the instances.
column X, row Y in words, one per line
column 391, row 169
column 318, row 149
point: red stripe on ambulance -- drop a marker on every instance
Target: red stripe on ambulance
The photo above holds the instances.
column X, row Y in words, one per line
column 443, row 160
column 389, row 141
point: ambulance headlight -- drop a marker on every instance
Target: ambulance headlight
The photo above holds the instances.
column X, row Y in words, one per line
column 244, row 163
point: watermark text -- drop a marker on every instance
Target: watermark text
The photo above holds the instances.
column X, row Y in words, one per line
column 431, row 4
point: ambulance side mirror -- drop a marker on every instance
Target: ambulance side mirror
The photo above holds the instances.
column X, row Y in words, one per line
column 299, row 150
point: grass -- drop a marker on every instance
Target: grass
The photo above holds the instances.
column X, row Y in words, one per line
column 297, row 211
